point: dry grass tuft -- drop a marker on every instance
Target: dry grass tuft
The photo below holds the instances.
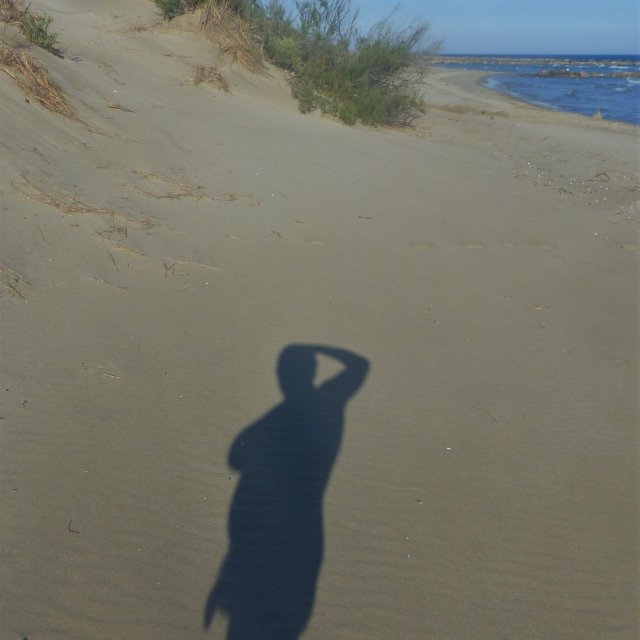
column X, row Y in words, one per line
column 13, row 11
column 137, row 27
column 68, row 203
column 209, row 75
column 33, row 80
column 240, row 41
column 117, row 245
column 71, row 204
column 181, row 190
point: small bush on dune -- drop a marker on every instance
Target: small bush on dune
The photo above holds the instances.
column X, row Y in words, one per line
column 173, row 8
column 37, row 30
column 374, row 78
column 170, row 8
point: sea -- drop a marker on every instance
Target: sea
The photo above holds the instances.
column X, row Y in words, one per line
column 602, row 86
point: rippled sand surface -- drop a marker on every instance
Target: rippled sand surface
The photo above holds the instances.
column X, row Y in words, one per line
column 474, row 475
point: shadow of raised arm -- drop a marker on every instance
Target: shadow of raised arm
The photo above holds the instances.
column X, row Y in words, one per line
column 349, row 380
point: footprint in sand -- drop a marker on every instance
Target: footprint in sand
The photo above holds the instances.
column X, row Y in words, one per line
column 630, row 247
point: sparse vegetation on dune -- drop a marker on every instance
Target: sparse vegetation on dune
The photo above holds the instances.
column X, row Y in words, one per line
column 239, row 35
column 374, row 77
column 209, row 75
column 35, row 26
column 19, row 65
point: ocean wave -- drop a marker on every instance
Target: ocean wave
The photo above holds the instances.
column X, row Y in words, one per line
column 493, row 83
column 572, row 73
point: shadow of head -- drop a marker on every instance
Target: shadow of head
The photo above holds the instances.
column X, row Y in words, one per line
column 296, row 370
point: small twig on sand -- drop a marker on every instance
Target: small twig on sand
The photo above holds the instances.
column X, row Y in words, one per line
column 114, row 261
column 487, row 413
column 119, row 107
column 117, row 286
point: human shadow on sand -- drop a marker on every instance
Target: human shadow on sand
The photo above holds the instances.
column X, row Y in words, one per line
column 266, row 586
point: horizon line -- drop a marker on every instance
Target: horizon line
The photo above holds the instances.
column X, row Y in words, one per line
column 548, row 55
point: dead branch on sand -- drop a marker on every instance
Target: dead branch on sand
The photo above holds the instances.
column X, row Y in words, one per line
column 11, row 275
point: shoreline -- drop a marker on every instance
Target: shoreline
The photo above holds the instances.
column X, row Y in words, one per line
column 488, row 74
column 470, row 88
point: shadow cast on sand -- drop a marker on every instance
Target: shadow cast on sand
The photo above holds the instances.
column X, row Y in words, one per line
column 266, row 586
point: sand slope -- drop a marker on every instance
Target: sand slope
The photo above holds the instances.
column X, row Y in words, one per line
column 158, row 256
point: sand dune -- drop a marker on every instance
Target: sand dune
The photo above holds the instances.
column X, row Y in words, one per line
column 161, row 250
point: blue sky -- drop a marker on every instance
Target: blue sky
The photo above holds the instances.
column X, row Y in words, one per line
column 520, row 26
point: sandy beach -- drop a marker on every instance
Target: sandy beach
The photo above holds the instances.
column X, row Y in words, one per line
column 472, row 472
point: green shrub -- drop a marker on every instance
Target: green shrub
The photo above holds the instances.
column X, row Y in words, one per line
column 37, row 31
column 306, row 97
column 373, row 78
column 170, row 8
column 247, row 9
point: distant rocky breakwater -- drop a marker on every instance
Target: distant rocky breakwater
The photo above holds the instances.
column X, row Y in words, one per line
column 560, row 67
column 534, row 60
column 572, row 73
